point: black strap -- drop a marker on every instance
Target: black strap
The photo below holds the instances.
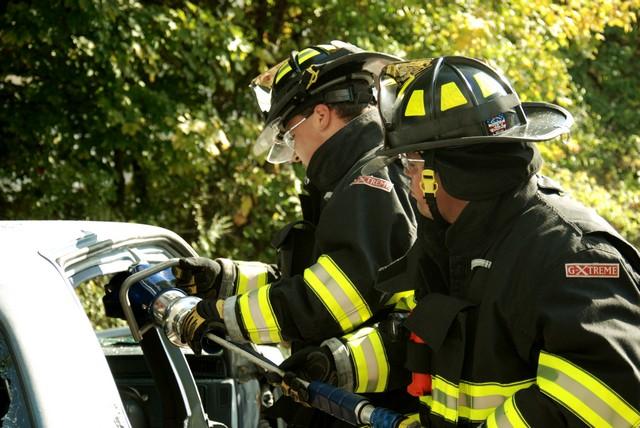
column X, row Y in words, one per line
column 468, row 117
column 429, row 163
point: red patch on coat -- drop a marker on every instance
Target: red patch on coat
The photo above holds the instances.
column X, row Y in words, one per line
column 371, row 181
column 592, row 270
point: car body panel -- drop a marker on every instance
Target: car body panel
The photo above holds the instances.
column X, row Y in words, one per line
column 65, row 378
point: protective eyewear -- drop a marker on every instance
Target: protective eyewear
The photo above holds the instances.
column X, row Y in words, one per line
column 279, row 142
column 411, row 164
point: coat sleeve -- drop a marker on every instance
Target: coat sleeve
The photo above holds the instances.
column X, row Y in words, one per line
column 361, row 229
column 586, row 347
column 371, row 359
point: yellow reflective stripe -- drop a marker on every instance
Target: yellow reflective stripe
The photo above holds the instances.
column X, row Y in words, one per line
column 477, row 401
column 585, row 395
column 341, row 298
column 251, row 276
column 507, row 416
column 488, row 85
column 469, row 400
column 369, row 360
column 258, row 317
column 426, row 399
column 450, row 96
column 402, row 299
column 415, row 105
column 445, row 399
column 513, row 414
column 411, row 419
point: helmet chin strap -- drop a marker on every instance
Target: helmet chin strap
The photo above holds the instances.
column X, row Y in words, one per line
column 429, row 186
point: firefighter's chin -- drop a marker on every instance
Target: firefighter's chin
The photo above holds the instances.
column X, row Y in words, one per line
column 422, row 206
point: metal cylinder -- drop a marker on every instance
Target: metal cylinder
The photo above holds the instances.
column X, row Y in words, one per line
column 169, row 310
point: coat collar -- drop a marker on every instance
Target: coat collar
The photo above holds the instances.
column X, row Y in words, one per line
column 482, row 222
column 336, row 156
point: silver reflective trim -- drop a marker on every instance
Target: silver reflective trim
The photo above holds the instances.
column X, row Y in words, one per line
column 475, row 263
column 231, row 322
column 342, row 359
column 583, row 394
column 501, row 418
column 333, row 287
column 448, row 401
column 228, row 283
column 480, row 403
column 373, row 371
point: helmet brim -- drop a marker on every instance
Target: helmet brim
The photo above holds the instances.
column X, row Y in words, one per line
column 545, row 122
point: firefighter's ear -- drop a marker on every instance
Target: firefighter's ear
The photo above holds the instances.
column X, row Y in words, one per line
column 322, row 115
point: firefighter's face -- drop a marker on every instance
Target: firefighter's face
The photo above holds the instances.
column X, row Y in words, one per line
column 318, row 127
column 448, row 206
column 413, row 166
column 305, row 140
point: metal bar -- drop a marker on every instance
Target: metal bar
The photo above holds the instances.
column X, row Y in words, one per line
column 124, row 294
column 259, row 361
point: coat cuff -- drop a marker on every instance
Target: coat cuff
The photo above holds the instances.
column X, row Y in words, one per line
column 342, row 359
column 231, row 320
column 228, row 282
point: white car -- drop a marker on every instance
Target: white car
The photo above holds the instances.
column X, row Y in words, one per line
column 55, row 371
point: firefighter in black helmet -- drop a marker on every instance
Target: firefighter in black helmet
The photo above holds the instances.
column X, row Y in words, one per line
column 528, row 303
column 319, row 109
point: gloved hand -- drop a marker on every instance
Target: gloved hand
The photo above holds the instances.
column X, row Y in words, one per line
column 312, row 363
column 202, row 319
column 199, row 276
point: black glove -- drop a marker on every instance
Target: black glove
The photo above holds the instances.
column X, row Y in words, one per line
column 312, row 363
column 202, row 319
column 199, row 276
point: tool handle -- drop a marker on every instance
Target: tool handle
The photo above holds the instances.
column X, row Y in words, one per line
column 385, row 418
column 337, row 402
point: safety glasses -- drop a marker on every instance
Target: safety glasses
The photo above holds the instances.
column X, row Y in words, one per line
column 279, row 142
column 411, row 162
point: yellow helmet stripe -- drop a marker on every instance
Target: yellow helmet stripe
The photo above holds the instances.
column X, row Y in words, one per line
column 415, row 105
column 302, row 57
column 451, row 96
column 488, row 85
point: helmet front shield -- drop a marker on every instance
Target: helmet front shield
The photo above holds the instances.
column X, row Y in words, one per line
column 262, row 85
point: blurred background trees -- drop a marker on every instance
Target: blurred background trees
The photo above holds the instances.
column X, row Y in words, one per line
column 140, row 110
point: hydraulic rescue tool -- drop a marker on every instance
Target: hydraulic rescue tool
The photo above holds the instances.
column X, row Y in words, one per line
column 166, row 307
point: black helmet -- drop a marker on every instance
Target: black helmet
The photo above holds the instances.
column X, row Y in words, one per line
column 455, row 101
column 462, row 107
column 332, row 73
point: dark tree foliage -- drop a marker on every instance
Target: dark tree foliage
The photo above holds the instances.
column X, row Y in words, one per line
column 140, row 111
